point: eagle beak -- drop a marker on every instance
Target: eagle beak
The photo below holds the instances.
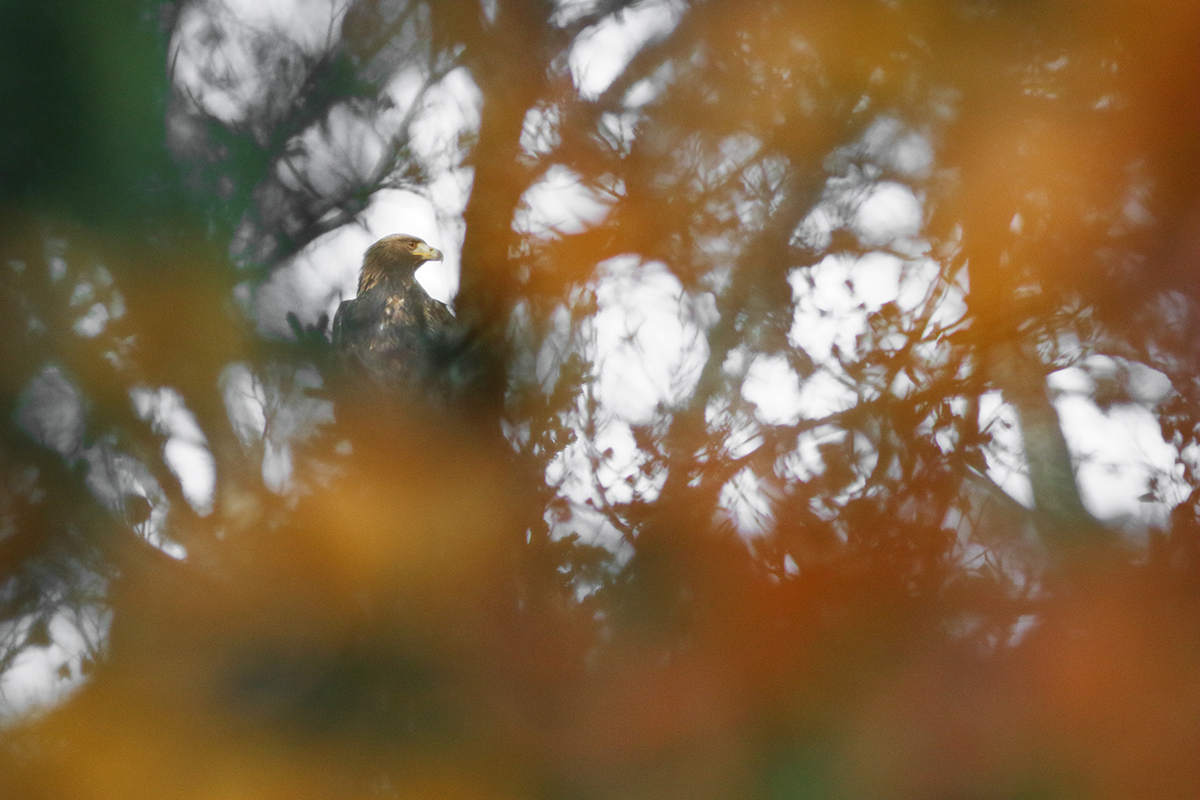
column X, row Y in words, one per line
column 427, row 253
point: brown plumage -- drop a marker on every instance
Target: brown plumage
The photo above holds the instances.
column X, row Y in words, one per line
column 393, row 332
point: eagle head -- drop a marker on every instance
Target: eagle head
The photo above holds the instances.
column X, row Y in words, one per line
column 395, row 256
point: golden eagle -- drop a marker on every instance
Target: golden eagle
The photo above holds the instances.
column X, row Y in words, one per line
column 393, row 331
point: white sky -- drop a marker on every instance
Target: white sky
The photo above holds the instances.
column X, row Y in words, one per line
column 602, row 52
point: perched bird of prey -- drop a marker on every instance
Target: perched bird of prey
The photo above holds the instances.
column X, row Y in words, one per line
column 393, row 331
